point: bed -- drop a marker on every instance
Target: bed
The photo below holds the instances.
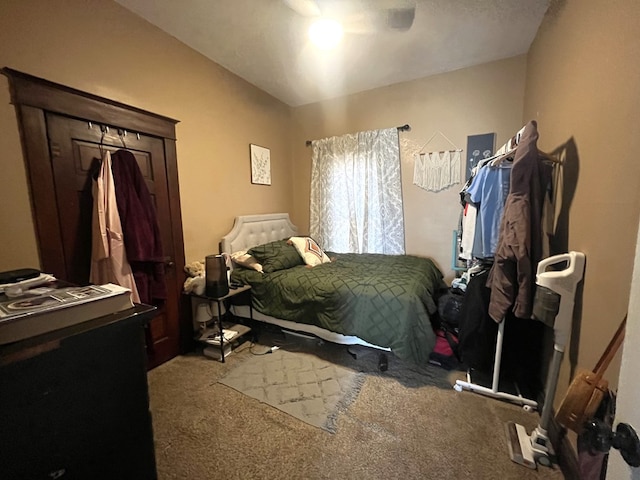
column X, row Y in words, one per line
column 381, row 301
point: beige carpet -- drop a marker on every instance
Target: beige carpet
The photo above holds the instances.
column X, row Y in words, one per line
column 298, row 383
column 406, row 423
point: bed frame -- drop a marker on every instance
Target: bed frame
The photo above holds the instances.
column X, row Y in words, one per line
column 253, row 230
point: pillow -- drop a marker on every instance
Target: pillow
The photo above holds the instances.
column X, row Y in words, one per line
column 310, row 251
column 277, row 255
column 243, row 259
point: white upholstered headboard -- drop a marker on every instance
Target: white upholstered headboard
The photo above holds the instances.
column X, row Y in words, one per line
column 252, row 230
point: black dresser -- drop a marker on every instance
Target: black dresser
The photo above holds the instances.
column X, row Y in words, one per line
column 74, row 403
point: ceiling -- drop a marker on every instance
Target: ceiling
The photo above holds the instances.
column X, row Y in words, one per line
column 265, row 41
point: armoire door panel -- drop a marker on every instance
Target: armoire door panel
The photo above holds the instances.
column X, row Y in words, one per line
column 144, row 163
column 159, row 328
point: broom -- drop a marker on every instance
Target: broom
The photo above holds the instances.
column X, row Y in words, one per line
column 588, row 388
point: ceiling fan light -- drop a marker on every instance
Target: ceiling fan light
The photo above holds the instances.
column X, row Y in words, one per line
column 325, row 33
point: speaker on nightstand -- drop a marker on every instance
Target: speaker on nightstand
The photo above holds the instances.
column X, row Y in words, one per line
column 217, row 283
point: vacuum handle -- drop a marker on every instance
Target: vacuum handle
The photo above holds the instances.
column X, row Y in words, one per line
column 611, row 350
column 563, row 257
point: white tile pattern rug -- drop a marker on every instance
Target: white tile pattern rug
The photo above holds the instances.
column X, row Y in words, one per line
column 302, row 385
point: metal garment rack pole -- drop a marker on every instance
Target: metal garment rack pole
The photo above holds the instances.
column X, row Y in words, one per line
column 494, row 391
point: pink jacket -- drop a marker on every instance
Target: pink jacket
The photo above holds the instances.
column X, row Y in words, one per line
column 108, row 256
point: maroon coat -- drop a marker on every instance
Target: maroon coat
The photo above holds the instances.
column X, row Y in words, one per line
column 142, row 239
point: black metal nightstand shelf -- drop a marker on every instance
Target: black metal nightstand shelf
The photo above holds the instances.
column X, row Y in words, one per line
column 211, row 336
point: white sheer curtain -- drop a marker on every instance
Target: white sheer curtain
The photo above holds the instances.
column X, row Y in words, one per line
column 356, row 193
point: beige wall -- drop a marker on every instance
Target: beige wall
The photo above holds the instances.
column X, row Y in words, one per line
column 582, row 84
column 99, row 47
column 482, row 99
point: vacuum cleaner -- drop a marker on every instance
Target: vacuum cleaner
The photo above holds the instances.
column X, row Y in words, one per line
column 553, row 305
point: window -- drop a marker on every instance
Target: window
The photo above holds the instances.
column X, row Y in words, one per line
column 356, row 193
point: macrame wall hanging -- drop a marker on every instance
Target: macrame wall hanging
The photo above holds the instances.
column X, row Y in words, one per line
column 436, row 171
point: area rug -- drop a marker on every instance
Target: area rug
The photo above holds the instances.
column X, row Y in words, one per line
column 300, row 384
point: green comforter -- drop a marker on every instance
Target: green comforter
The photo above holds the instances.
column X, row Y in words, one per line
column 385, row 300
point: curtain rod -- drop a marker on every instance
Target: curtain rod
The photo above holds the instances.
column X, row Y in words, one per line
column 403, row 128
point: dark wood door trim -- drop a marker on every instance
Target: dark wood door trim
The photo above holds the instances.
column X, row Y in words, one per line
column 33, row 129
column 174, row 193
column 53, row 97
column 178, row 260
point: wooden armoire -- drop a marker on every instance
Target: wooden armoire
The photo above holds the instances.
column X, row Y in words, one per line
column 63, row 131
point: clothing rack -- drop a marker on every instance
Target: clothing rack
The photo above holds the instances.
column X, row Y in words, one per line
column 402, row 128
column 494, row 390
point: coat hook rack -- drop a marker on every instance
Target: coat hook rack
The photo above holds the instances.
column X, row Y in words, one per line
column 121, row 134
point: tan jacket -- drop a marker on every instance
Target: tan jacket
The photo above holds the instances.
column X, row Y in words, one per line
column 108, row 256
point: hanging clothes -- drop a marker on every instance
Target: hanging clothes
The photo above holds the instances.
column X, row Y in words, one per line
column 519, row 250
column 489, row 191
column 469, row 216
column 479, row 237
column 435, row 171
column 553, row 241
column 142, row 238
column 109, row 262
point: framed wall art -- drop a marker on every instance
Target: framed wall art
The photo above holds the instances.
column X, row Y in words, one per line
column 260, row 165
column 479, row 147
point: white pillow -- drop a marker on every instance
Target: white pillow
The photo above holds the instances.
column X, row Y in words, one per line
column 310, row 251
column 244, row 259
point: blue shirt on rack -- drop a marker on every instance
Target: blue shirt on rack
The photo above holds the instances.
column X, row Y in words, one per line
column 489, row 190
